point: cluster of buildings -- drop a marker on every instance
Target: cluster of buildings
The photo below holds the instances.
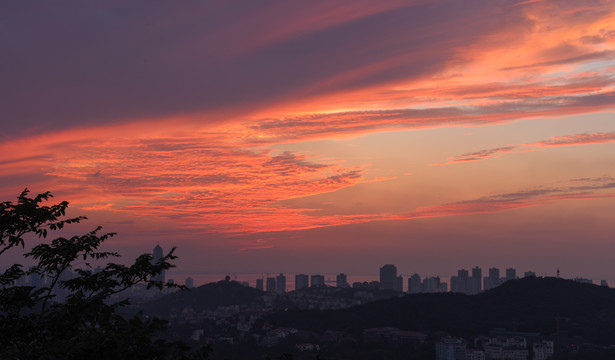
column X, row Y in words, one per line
column 463, row 282
column 277, row 284
column 494, row 348
column 274, row 284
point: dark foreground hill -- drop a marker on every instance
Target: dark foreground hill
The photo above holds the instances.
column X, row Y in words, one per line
column 208, row 296
column 529, row 304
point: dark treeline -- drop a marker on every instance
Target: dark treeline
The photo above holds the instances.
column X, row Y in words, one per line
column 529, row 304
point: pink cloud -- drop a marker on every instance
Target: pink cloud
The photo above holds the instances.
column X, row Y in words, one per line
column 167, row 113
column 578, row 139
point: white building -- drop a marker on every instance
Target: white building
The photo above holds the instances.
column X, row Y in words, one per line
column 543, row 350
column 472, row 354
column 515, row 354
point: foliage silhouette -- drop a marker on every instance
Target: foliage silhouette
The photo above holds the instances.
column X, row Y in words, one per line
column 36, row 325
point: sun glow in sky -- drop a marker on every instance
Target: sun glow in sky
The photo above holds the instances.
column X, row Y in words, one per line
column 322, row 136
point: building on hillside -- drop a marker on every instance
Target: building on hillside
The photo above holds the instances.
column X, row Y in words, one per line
column 583, row 280
column 493, row 280
column 302, row 281
column 511, row 274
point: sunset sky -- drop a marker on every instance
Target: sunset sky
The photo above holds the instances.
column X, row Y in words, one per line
column 321, row 136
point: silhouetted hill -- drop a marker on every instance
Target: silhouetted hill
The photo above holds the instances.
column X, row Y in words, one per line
column 529, row 304
column 208, row 296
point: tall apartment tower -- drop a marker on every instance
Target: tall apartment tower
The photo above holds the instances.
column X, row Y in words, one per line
column 302, row 281
column 389, row 279
column 280, row 283
column 157, row 256
column 318, row 280
column 342, row 281
column 270, row 284
column 461, row 282
column 511, row 274
column 414, row 284
column 476, row 281
column 493, row 279
column 259, row 284
column 432, row 284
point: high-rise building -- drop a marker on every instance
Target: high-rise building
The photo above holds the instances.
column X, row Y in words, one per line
column 301, row 281
column 342, row 281
column 280, row 283
column 450, row 348
column 157, row 256
column 460, row 283
column 271, row 284
column 492, row 280
column 317, row 280
column 189, row 283
column 529, row 274
column 414, row 284
column 476, row 281
column 431, row 284
column 443, row 288
column 389, row 279
column 511, row 274
column 259, row 284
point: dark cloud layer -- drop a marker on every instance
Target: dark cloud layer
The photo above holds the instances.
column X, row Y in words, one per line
column 75, row 63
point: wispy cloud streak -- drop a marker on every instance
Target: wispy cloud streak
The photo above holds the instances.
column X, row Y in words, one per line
column 566, row 140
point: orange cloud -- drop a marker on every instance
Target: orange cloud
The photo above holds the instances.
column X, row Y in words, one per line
column 190, row 138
